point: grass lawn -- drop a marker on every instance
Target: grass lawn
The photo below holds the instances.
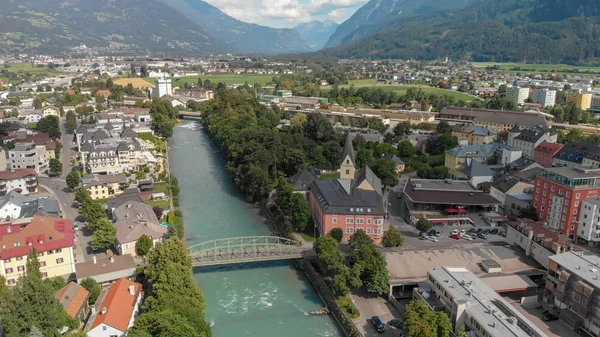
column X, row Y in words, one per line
column 334, row 175
column 27, row 67
column 402, row 89
column 161, row 187
column 32, row 126
column 164, row 204
column 225, row 78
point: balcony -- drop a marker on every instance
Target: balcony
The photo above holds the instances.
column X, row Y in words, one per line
column 31, row 183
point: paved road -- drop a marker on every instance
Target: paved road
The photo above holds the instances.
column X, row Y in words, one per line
column 370, row 306
column 68, row 151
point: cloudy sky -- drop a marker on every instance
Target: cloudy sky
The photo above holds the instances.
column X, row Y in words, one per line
column 288, row 13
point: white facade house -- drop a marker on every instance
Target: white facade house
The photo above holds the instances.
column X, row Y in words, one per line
column 50, row 110
column 589, row 221
column 163, row 87
column 28, row 156
column 23, row 181
column 527, row 140
column 545, row 97
column 517, row 94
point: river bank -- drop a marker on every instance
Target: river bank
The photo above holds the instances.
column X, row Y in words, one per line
column 263, row 299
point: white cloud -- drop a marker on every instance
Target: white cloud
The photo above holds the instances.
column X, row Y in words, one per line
column 284, row 12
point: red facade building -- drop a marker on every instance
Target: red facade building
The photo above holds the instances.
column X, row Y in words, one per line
column 545, row 152
column 559, row 193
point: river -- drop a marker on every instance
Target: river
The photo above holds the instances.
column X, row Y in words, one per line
column 270, row 299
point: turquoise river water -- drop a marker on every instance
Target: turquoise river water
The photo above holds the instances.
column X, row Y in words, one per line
column 266, row 299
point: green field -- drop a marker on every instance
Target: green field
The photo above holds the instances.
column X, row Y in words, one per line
column 226, row 79
column 27, row 67
column 401, row 90
column 540, row 68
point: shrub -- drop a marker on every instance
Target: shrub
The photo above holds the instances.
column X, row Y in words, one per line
column 337, row 234
column 349, row 307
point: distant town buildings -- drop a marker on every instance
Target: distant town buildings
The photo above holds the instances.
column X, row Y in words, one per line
column 544, row 97
column 517, row 94
column 582, row 100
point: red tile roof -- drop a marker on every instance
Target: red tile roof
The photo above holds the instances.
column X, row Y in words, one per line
column 17, row 174
column 44, row 233
column 549, row 147
column 119, row 304
column 72, row 297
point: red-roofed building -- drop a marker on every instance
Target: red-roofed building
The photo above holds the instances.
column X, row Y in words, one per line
column 116, row 313
column 40, row 139
column 545, row 152
column 74, row 299
column 538, row 241
column 104, row 92
column 52, row 238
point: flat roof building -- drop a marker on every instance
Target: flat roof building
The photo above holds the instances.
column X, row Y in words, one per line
column 470, row 301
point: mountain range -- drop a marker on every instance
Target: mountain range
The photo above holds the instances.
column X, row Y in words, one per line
column 316, row 33
column 551, row 31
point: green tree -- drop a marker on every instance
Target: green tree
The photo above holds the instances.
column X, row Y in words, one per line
column 57, row 283
column 31, row 303
column 55, row 167
column 420, row 321
column 73, row 179
column 169, row 271
column 406, row 149
column 360, row 238
column 392, row 238
column 284, row 195
column 461, row 331
column 82, row 195
column 104, row 235
column 298, row 123
column 37, row 103
column 387, row 171
column 337, row 234
column 162, row 323
column 93, row 213
column 443, row 127
column 373, row 272
column 423, row 225
column 143, row 245
column 93, row 287
column 300, row 211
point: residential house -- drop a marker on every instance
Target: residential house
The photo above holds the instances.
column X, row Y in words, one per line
column 497, row 119
column 526, row 140
column 301, row 181
column 473, row 135
column 28, row 156
column 103, row 92
column 559, row 194
column 572, row 288
column 130, row 194
column 400, row 166
column 419, row 117
column 40, row 139
column 578, row 154
column 105, row 186
column 544, row 153
column 11, row 204
column 134, row 219
column 23, row 181
column 504, row 186
column 50, row 110
column 118, row 310
column 106, row 270
column 456, row 158
column 52, row 238
column 74, row 300
column 174, row 101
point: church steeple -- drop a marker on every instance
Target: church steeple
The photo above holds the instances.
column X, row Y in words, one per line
column 348, row 160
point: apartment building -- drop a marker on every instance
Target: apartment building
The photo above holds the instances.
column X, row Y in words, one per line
column 526, row 140
column 23, row 181
column 544, row 97
column 573, row 288
column 578, row 154
column 589, row 221
column 473, row 135
column 545, row 151
column 52, row 238
column 517, row 94
column 472, row 303
column 29, row 156
column 582, row 100
column 559, row 193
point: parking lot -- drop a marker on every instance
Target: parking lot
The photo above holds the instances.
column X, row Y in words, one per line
column 370, row 306
column 552, row 329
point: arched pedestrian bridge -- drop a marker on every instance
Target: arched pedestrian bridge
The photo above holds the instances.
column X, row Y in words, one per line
column 244, row 249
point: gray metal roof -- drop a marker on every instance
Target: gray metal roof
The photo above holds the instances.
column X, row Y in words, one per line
column 586, row 267
column 335, row 200
column 301, row 181
column 367, row 174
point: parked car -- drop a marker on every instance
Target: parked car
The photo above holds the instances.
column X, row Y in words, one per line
column 549, row 317
column 75, row 226
column 462, row 232
column 456, row 231
column 399, row 196
column 455, row 236
column 482, row 235
column 466, row 237
column 377, row 324
column 432, row 238
column 396, row 323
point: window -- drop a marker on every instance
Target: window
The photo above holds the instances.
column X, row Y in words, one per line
column 537, row 197
column 333, row 220
column 577, row 195
column 537, row 190
column 564, row 217
column 379, row 221
column 9, row 270
column 552, row 188
column 574, row 219
column 544, row 192
column 21, row 268
column 349, row 221
column 59, row 250
column 560, row 191
column 44, row 274
column 542, row 207
column 349, row 230
column 60, row 260
column 378, row 231
column 545, row 185
column 576, row 203
column 49, row 252
column 347, row 171
column 572, row 227
column 7, row 261
column 539, row 183
column 360, row 221
column 368, row 221
column 41, row 254
column 368, row 230
column 42, row 263
column 568, row 194
column 19, row 258
column 574, row 211
column 104, row 327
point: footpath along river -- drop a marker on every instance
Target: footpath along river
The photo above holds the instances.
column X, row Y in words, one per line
column 270, row 299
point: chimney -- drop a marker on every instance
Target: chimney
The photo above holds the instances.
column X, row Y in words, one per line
column 8, row 229
column 112, row 259
column 104, row 311
column 132, row 290
column 93, row 257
